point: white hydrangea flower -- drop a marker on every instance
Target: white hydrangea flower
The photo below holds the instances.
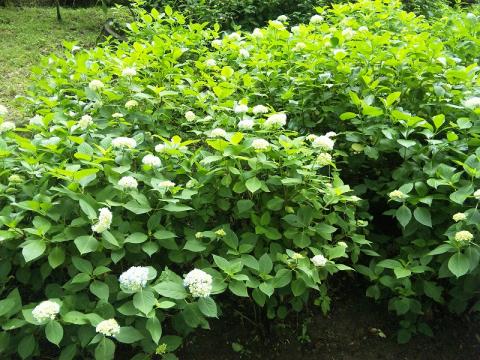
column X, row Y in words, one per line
column 234, row 36
column 363, row 29
column 276, row 120
column 319, row 260
column 128, row 182
column 244, row 53
column 348, row 33
column 240, row 108
column 108, row 327
column 85, row 121
column 260, row 109
column 117, row 115
column 459, row 217
column 3, row 110
column 217, row 43
column 129, row 71
column 134, row 279
column 295, row 29
column 260, row 144
column 37, row 120
column 311, row 137
column 7, row 126
column 331, row 134
column 199, row 283
column 397, row 195
column 339, row 51
column 342, row 244
column 151, row 160
column 299, row 46
column 472, row 103
column 210, row 62
column 96, row 85
column 257, row 33
column 282, row 18
column 45, row 311
column 104, row 221
column 15, row 179
column 463, row 235
column 276, row 24
column 246, row 124
column 471, row 16
column 476, row 194
column 160, row 148
column 190, row 116
column 218, row 133
column 323, row 142
column 124, row 142
column 316, row 19
column 130, row 104
column 324, row 159
column 166, row 184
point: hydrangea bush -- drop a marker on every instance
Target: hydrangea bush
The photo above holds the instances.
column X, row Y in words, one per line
column 155, row 174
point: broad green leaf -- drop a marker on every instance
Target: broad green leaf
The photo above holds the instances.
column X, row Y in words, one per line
column 459, row 264
column 54, row 332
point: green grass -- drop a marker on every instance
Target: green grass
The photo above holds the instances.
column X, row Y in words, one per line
column 28, row 33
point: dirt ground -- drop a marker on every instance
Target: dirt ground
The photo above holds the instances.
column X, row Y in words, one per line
column 346, row 333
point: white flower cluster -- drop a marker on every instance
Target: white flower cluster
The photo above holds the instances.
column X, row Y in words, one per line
column 46, row 310
column 130, row 104
column 3, row 110
column 217, row 43
column 299, row 46
column 463, row 235
column 260, row 144
column 96, row 85
column 128, row 182
column 260, row 109
column 397, row 195
column 117, row 115
column 240, row 108
column 244, row 53
column 190, row 116
column 316, row 19
column 459, row 217
column 160, row 148
column 124, row 142
column 129, row 71
column 323, row 142
column 166, row 184
column 282, row 18
column 134, row 279
column 246, row 124
column 199, row 283
column 472, row 103
column 104, row 221
column 476, row 194
column 234, row 36
column 85, row 121
column 275, row 120
column 324, row 159
column 7, row 126
column 210, row 62
column 319, row 260
column 218, row 133
column 108, row 327
column 257, row 33
column 348, row 33
column 151, row 160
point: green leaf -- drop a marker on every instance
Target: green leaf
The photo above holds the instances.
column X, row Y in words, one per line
column 86, row 244
column 404, row 215
column 100, row 290
column 129, row 335
column 137, row 208
column 136, row 238
column 265, row 264
column 298, row 287
column 177, row 208
column 238, row 288
column 54, row 332
column 171, row 290
column 422, row 215
column 88, row 209
column 56, row 257
column 244, row 205
column 154, row 327
column 105, row 349
column 144, row 301
column 253, row 184
column 459, row 264
column 208, row 307
column 33, row 250
column 26, row 346
column 266, row 288
column 393, row 97
column 401, row 272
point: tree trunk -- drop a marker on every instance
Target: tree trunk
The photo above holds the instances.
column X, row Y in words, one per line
column 59, row 15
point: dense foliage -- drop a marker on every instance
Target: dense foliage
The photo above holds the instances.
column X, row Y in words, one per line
column 156, row 174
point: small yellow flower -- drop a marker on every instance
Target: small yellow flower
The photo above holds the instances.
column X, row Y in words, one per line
column 220, row 232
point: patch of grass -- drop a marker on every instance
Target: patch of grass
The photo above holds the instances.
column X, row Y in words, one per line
column 28, row 33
